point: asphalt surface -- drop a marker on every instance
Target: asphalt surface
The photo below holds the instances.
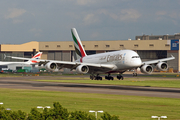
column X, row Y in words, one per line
column 26, row 83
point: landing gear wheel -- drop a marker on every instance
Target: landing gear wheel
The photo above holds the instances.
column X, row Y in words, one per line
column 109, row 77
column 134, row 74
column 120, row 77
column 97, row 77
column 92, row 77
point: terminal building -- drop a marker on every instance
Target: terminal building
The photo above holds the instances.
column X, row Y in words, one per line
column 147, row 49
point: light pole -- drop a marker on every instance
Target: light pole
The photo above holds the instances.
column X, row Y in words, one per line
column 43, row 107
column 158, row 117
column 8, row 108
column 96, row 112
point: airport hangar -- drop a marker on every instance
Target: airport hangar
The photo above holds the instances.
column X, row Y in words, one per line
column 64, row 50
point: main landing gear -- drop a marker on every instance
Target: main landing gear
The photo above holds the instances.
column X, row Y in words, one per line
column 109, row 77
column 97, row 77
column 120, row 77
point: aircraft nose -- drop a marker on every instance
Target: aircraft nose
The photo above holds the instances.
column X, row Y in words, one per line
column 136, row 63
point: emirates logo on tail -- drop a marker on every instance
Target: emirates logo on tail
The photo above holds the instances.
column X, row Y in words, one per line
column 77, row 43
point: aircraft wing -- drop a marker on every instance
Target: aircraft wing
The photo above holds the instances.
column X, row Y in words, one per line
column 20, row 58
column 158, row 60
column 36, row 56
column 73, row 65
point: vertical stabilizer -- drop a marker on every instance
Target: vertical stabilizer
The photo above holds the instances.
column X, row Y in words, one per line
column 36, row 56
column 80, row 52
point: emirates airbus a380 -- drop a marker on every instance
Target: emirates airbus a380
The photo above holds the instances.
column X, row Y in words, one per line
column 109, row 62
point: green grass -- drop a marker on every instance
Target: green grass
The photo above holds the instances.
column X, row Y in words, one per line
column 126, row 107
column 10, row 75
column 136, row 81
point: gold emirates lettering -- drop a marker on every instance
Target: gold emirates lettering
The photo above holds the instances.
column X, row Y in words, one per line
column 114, row 58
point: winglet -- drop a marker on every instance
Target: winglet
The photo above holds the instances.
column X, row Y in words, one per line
column 172, row 56
column 4, row 56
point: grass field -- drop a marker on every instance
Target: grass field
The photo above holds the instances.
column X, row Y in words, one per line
column 136, row 81
column 126, row 107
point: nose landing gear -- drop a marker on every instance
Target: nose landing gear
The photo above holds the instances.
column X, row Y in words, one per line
column 134, row 74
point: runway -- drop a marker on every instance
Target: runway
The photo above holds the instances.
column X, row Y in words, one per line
column 24, row 83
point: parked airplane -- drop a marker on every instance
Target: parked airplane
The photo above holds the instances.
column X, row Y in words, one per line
column 109, row 62
column 31, row 61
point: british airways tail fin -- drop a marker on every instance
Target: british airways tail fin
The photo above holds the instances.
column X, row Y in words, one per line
column 36, row 56
column 80, row 52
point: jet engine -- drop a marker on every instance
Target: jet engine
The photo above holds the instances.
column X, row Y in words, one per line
column 82, row 69
column 148, row 69
column 162, row 66
column 51, row 66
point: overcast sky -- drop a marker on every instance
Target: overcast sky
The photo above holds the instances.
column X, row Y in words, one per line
column 23, row 21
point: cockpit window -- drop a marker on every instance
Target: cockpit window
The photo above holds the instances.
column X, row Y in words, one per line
column 135, row 56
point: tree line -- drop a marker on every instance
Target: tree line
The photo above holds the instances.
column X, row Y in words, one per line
column 56, row 113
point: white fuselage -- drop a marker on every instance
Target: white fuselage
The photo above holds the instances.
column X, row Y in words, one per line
column 13, row 65
column 123, row 59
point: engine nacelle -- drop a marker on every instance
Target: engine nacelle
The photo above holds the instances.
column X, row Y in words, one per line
column 162, row 66
column 82, row 69
column 51, row 66
column 148, row 69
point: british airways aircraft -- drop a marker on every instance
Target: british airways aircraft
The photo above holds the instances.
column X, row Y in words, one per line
column 29, row 62
column 109, row 62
